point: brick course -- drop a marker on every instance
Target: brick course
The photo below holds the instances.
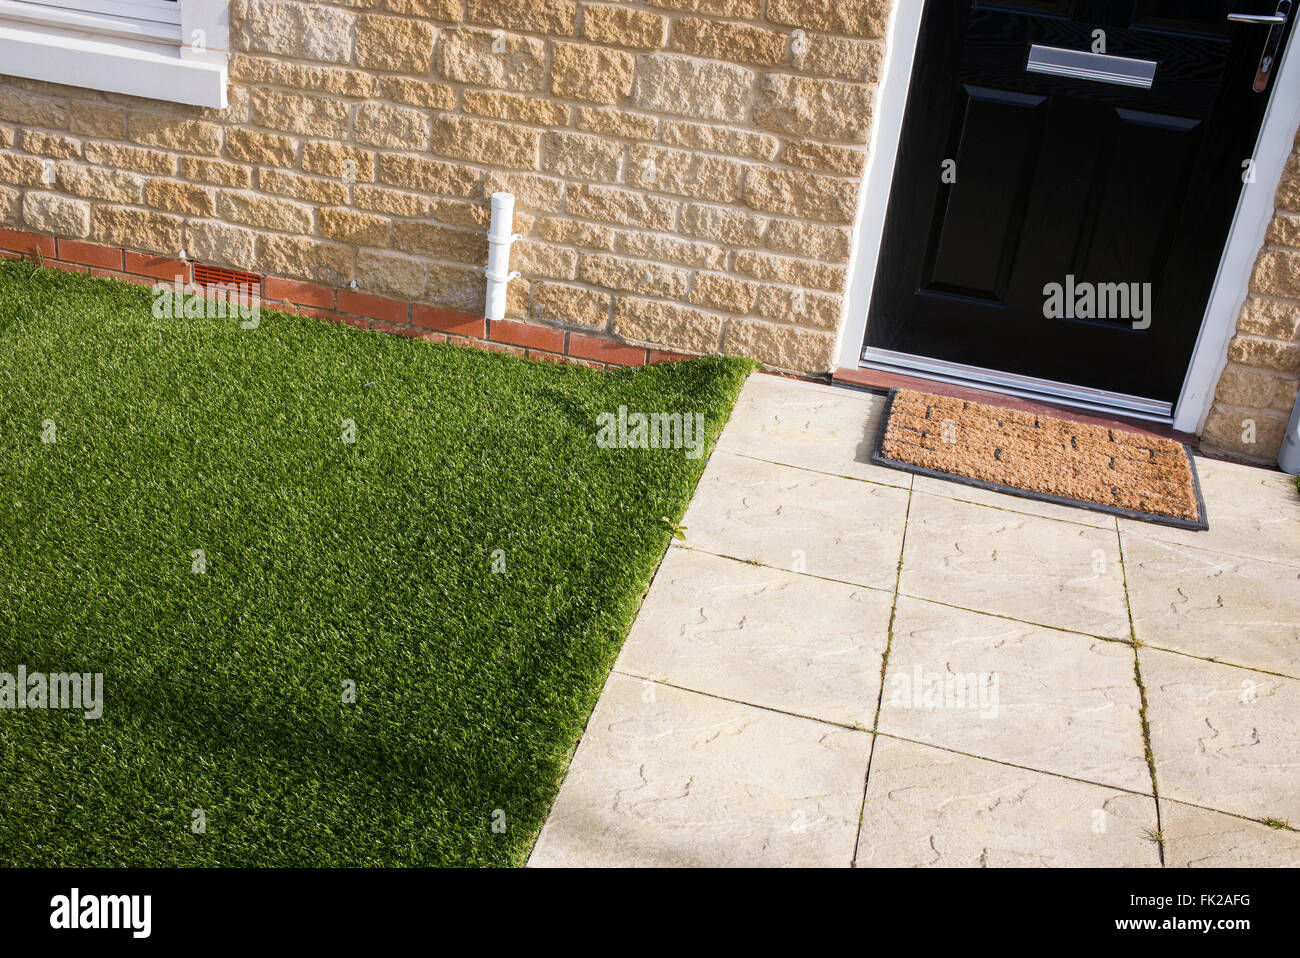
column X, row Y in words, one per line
column 378, row 313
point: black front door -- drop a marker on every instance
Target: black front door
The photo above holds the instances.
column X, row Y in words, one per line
column 1065, row 182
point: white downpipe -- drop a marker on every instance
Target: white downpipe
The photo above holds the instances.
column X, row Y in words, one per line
column 500, row 239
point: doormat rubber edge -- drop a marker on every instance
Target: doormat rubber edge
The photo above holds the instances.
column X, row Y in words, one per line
column 1193, row 525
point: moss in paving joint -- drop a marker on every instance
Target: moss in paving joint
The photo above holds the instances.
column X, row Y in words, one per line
column 1143, row 708
column 1146, row 726
column 884, row 667
column 1143, row 718
column 1011, row 618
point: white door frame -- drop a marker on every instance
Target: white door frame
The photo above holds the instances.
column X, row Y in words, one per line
column 1232, row 283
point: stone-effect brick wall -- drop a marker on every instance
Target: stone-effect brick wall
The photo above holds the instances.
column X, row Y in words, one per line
column 686, row 170
column 1258, row 388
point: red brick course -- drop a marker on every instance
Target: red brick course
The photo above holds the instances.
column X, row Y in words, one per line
column 525, row 334
column 605, row 351
column 376, row 307
column 88, row 254
column 362, row 310
column 449, row 321
column 301, row 294
column 159, row 267
column 27, row 243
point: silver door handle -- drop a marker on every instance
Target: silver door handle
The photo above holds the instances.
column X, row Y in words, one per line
column 1276, row 23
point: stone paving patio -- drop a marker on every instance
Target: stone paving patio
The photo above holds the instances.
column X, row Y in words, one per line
column 843, row 665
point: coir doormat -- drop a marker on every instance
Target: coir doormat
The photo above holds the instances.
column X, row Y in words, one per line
column 1040, row 457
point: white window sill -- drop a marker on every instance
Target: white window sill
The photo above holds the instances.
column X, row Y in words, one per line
column 116, row 64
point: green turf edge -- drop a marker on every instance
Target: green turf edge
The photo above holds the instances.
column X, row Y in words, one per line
column 626, row 615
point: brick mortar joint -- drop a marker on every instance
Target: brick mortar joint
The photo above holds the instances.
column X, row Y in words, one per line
column 1232, row 409
column 748, row 163
column 1286, row 378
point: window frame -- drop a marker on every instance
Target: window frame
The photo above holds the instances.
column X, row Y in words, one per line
column 166, row 11
column 171, row 51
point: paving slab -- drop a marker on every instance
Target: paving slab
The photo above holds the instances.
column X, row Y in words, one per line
column 1253, row 513
column 1058, row 574
column 666, row 777
column 1241, row 611
column 793, row 519
column 762, row 636
column 1004, row 500
column 1048, row 700
column 1223, row 737
column 811, row 426
column 1199, row 838
column 928, row 807
column 725, row 735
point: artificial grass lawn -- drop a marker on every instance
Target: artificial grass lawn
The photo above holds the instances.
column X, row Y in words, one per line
column 325, row 562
